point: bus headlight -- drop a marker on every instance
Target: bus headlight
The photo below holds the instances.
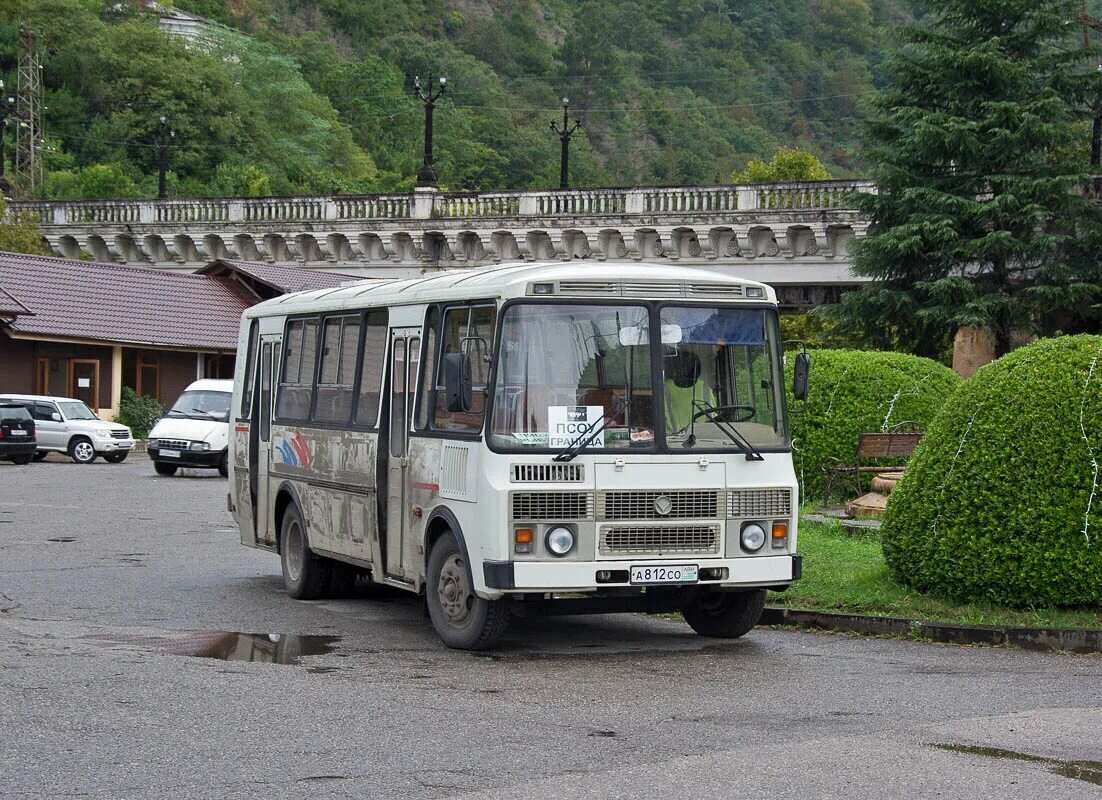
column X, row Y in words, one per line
column 560, row 541
column 752, row 537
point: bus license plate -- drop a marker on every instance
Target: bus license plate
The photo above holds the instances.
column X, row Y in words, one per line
column 674, row 573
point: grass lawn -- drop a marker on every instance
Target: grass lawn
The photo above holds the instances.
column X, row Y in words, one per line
column 846, row 573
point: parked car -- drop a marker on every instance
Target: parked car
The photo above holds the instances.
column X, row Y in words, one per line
column 195, row 432
column 65, row 425
column 17, row 440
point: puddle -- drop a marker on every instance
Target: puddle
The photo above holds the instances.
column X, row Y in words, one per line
column 1089, row 771
column 268, row 648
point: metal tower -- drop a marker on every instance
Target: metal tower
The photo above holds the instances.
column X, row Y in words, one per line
column 28, row 117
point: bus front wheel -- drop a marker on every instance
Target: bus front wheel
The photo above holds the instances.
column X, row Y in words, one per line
column 305, row 575
column 463, row 620
column 724, row 615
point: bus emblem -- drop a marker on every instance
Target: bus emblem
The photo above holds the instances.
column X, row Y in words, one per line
column 663, row 505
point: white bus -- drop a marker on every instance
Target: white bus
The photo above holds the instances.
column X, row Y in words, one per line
column 522, row 440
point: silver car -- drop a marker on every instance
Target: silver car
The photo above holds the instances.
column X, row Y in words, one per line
column 65, row 425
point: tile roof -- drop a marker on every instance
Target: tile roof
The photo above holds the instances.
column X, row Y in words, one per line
column 114, row 303
column 283, row 279
column 9, row 306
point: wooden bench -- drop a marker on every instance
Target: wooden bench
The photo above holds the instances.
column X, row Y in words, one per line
column 897, row 442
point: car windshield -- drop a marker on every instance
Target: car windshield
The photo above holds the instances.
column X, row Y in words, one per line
column 568, row 369
column 202, row 404
column 74, row 409
column 719, row 378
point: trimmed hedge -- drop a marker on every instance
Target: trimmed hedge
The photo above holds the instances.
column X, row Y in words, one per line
column 994, row 505
column 853, row 392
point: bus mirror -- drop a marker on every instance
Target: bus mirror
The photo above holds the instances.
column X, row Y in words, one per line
column 671, row 334
column 633, row 336
column 457, row 381
column 800, row 371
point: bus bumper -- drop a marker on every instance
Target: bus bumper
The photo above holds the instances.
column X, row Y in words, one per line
column 581, row 576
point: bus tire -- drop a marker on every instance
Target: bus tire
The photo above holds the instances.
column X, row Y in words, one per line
column 305, row 575
column 724, row 615
column 463, row 620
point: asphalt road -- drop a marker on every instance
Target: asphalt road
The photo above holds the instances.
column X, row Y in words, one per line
column 112, row 580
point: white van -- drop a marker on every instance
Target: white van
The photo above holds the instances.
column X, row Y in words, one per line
column 196, row 430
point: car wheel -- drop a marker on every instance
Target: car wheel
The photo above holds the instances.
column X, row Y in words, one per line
column 21, row 459
column 724, row 615
column 305, row 575
column 40, row 455
column 224, row 464
column 168, row 470
column 82, row 451
column 116, row 457
column 463, row 620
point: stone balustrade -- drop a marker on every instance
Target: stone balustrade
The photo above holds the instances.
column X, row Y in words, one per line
column 793, row 234
column 820, row 195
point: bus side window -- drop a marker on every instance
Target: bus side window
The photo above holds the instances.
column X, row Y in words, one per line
column 427, row 399
column 371, row 372
column 296, row 378
column 337, row 371
column 467, row 330
column 245, row 412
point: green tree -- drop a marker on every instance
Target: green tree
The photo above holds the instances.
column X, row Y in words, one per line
column 788, row 164
column 19, row 233
column 979, row 219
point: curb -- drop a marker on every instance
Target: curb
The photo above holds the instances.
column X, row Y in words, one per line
column 1070, row 640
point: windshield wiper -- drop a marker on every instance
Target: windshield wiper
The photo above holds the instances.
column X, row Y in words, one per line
column 571, row 451
column 711, row 413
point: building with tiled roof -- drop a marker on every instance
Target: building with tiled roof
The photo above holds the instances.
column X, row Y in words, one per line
column 85, row 330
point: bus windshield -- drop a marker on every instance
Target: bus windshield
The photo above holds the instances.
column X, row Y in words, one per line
column 570, row 371
column 719, row 378
column 566, row 369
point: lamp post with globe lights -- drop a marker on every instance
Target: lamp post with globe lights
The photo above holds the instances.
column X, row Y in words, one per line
column 427, row 175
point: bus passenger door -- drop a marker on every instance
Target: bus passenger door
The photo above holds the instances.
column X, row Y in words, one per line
column 405, row 346
column 269, row 357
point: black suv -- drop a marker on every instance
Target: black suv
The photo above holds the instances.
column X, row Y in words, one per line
column 17, row 440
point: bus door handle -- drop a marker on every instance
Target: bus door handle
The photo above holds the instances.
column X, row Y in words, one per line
column 403, row 462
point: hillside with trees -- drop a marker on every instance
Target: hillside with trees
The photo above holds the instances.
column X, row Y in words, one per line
column 314, row 96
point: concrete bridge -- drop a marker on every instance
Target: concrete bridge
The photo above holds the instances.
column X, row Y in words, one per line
column 791, row 235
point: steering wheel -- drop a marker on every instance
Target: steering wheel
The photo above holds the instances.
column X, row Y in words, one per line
column 718, row 411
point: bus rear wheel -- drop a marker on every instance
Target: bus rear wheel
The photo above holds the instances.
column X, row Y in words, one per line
column 724, row 615
column 305, row 575
column 463, row 620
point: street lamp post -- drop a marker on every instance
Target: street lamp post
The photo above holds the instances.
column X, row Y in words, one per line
column 427, row 175
column 7, row 105
column 164, row 137
column 565, row 133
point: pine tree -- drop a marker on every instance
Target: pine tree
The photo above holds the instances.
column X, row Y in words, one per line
column 979, row 156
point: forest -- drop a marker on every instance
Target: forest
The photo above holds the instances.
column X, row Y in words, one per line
column 316, row 96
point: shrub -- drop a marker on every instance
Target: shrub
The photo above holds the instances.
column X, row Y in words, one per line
column 138, row 412
column 1000, row 501
column 853, row 392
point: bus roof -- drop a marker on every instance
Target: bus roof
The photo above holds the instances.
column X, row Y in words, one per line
column 567, row 280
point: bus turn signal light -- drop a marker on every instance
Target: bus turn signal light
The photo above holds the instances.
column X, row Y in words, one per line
column 523, row 538
column 780, row 534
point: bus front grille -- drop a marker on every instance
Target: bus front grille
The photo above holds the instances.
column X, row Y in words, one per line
column 552, row 505
column 548, row 473
column 660, row 540
column 658, row 504
column 759, row 503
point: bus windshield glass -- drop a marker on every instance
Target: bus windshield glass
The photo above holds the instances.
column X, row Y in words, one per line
column 566, row 371
column 720, row 378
